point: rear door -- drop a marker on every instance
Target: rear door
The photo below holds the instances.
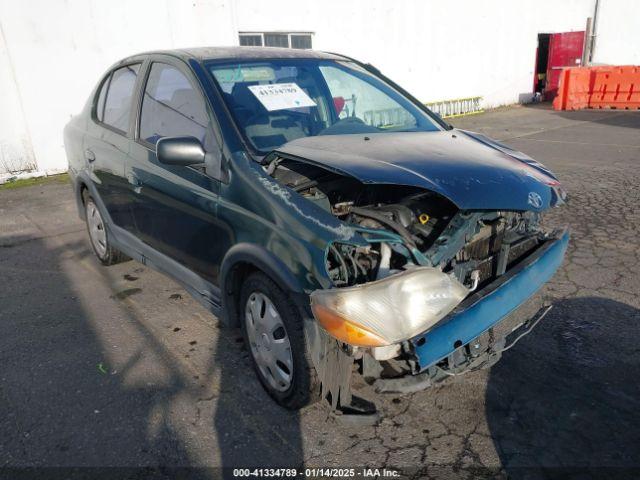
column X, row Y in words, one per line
column 565, row 50
column 107, row 142
column 175, row 206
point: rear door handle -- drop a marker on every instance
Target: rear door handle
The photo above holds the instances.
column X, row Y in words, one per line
column 135, row 182
column 89, row 155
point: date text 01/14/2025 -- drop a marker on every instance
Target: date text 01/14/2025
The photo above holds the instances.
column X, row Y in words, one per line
column 316, row 472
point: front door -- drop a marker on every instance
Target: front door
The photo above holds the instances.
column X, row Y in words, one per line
column 565, row 50
column 175, row 206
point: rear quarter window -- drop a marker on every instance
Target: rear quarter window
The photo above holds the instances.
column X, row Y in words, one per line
column 101, row 97
column 115, row 109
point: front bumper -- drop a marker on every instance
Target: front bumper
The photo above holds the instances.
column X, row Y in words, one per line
column 487, row 307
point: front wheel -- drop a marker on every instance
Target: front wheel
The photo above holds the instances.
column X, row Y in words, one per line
column 273, row 331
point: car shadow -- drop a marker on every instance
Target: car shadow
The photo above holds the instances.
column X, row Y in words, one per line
column 568, row 399
column 252, row 430
column 99, row 390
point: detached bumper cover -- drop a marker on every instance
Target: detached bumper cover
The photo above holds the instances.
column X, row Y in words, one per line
column 488, row 306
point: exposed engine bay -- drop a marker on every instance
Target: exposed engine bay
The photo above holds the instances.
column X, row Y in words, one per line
column 421, row 258
column 427, row 229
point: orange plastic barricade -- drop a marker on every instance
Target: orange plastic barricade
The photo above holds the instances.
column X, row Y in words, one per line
column 616, row 87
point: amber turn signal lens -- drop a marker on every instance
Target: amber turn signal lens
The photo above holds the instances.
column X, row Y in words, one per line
column 345, row 331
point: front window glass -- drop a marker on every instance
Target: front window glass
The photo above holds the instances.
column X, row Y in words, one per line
column 277, row 101
column 171, row 106
column 250, row 40
column 301, row 41
column 276, row 40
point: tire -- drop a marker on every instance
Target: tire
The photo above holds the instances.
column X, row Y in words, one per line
column 98, row 234
column 269, row 321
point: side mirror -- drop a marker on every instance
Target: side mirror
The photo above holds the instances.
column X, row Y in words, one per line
column 180, row 151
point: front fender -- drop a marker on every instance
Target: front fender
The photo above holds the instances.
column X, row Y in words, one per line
column 256, row 257
column 261, row 258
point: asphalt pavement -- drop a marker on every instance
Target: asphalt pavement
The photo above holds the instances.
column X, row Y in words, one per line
column 119, row 367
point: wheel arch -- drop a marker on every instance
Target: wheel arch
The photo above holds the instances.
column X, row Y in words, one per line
column 242, row 260
column 83, row 184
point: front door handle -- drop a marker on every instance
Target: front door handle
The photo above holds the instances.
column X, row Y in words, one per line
column 89, row 155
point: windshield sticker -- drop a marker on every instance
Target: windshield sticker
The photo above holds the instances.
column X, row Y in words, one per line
column 244, row 74
column 280, row 96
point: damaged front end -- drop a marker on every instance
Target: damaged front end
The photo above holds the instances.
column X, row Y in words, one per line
column 428, row 290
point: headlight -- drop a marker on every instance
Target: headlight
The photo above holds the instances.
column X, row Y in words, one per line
column 390, row 310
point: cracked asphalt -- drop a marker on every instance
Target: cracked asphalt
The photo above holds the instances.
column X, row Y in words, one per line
column 119, row 366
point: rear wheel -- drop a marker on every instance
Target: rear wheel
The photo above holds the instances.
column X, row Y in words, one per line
column 99, row 236
column 273, row 331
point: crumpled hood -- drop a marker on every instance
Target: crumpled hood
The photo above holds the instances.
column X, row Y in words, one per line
column 471, row 170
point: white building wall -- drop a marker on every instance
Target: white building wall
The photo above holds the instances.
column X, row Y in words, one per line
column 52, row 52
column 435, row 49
column 618, row 33
column 16, row 153
column 59, row 48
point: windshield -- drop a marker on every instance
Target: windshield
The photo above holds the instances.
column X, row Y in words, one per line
column 276, row 101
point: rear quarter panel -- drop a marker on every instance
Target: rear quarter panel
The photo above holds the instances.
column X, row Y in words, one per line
column 73, row 136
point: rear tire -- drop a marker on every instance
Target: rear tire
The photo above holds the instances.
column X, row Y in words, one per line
column 273, row 331
column 98, row 234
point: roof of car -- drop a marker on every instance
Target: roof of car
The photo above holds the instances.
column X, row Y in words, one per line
column 244, row 53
